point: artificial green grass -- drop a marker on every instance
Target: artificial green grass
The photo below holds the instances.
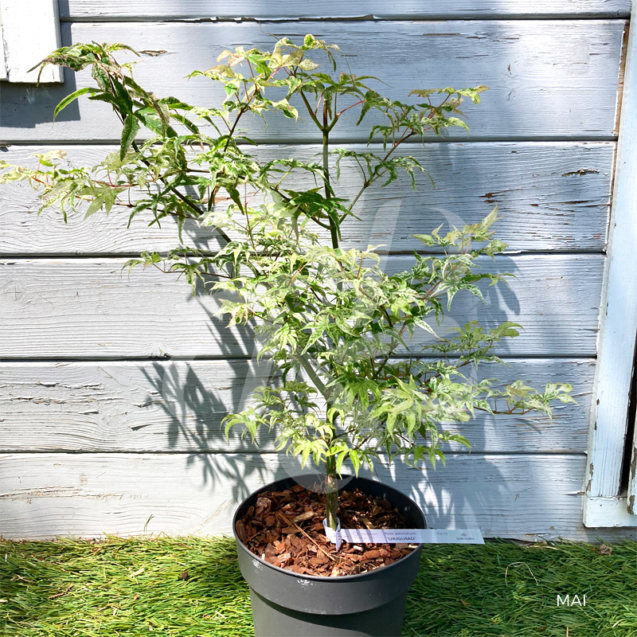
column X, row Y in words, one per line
column 192, row 587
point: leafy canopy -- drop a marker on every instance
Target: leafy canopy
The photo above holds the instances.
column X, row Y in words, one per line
column 346, row 337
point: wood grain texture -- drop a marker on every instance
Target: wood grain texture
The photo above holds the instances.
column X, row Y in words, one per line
column 45, row 495
column 103, row 446
column 548, row 79
column 551, row 196
column 330, row 9
column 177, row 406
column 90, row 308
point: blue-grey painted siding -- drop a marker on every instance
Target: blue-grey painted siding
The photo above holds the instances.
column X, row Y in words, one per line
column 82, row 351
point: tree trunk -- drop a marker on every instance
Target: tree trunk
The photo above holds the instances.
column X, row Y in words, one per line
column 331, row 494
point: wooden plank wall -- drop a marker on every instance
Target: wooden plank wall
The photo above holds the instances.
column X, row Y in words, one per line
column 112, row 388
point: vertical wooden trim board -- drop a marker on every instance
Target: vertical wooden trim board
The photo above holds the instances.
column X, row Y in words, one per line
column 604, row 505
column 632, row 481
column 30, row 30
column 3, row 64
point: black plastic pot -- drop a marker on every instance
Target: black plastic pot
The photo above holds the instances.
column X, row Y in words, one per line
column 285, row 604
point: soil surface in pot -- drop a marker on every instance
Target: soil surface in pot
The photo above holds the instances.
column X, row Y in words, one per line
column 285, row 528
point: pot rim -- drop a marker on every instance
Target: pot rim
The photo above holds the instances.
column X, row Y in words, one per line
column 320, row 578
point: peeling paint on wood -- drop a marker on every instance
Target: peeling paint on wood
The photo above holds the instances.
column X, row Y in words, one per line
column 153, row 53
column 90, row 308
column 551, row 196
column 581, row 171
column 533, row 68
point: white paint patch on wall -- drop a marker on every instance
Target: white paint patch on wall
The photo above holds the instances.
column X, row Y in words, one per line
column 30, row 31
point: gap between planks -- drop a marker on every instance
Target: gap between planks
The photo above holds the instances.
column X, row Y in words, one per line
column 370, row 18
column 199, row 359
column 292, row 141
column 394, row 253
column 265, row 452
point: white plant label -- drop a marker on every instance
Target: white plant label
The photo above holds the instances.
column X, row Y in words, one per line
column 403, row 536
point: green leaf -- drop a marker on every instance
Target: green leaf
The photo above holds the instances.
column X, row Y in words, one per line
column 124, row 99
column 96, row 204
column 72, row 97
column 186, row 122
column 490, row 219
column 355, row 458
column 101, row 77
column 148, row 117
column 130, row 130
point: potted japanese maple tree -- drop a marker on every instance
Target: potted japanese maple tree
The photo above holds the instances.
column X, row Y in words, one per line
column 346, row 338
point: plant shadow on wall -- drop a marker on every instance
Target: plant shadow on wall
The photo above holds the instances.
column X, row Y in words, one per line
column 196, row 396
column 364, row 378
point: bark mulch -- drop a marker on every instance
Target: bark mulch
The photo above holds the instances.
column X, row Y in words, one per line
column 285, row 528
